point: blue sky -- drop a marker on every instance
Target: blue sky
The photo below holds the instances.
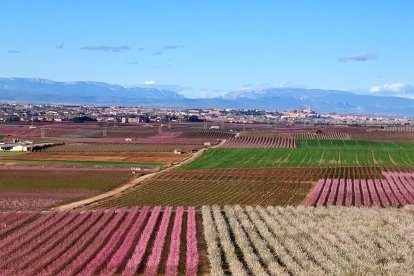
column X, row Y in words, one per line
column 207, row 48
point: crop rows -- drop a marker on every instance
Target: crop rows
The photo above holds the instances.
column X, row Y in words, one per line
column 235, row 240
column 207, row 134
column 324, row 136
column 353, row 144
column 397, row 189
column 270, row 186
column 117, row 157
column 84, row 147
column 10, row 221
column 260, row 142
column 178, row 188
column 34, row 188
column 348, row 133
column 156, row 139
column 106, row 242
column 308, row 241
column 389, row 136
column 302, row 157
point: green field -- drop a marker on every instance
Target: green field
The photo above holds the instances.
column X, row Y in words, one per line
column 11, row 153
column 309, row 154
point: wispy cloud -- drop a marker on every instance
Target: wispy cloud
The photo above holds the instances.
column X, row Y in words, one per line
column 106, row 48
column 391, row 87
column 359, row 57
column 149, row 82
column 14, row 52
column 60, row 45
column 398, row 89
column 158, row 53
column 171, row 47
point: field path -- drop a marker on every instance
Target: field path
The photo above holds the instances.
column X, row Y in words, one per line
column 132, row 182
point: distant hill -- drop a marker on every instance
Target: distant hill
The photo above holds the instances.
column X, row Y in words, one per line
column 79, row 92
column 98, row 93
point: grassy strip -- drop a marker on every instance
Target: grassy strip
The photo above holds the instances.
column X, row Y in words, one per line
column 11, row 153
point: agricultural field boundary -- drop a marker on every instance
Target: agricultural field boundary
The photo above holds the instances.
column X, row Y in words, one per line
column 132, row 182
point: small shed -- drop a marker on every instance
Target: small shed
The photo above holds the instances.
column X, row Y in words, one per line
column 135, row 170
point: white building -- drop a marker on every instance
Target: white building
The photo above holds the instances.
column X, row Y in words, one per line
column 18, row 146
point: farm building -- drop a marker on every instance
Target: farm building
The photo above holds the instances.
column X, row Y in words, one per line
column 17, row 146
column 178, row 151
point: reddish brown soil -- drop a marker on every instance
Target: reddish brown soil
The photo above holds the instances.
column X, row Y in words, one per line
column 146, row 157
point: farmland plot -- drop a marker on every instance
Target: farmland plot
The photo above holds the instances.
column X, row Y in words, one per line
column 28, row 188
column 115, row 157
column 260, row 142
column 93, row 147
column 396, row 189
column 302, row 157
column 353, row 144
column 269, row 186
column 390, row 136
column 105, row 242
column 308, row 241
column 167, row 138
column 323, row 136
column 276, row 186
column 207, row 134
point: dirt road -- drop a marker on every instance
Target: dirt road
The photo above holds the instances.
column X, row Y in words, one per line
column 131, row 183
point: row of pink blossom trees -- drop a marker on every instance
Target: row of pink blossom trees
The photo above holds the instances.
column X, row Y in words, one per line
column 396, row 189
column 103, row 242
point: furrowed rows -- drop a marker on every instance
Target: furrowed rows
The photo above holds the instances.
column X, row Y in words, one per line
column 107, row 242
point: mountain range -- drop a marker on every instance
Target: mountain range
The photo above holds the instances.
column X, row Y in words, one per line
column 27, row 90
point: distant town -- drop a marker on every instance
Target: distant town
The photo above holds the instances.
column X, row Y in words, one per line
column 118, row 114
